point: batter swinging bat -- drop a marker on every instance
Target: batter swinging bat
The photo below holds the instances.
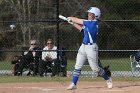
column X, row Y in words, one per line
column 65, row 18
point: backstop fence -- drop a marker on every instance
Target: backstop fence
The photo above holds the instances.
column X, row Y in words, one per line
column 118, row 37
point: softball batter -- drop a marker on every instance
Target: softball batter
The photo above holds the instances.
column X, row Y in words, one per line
column 88, row 49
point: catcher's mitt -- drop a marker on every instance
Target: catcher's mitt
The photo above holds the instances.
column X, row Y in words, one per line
column 107, row 71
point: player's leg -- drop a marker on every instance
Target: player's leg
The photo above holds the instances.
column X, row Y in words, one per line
column 81, row 57
column 92, row 55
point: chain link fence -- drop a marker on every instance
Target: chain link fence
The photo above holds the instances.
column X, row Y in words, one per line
column 118, row 36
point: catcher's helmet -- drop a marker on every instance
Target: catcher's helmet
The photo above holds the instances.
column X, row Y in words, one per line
column 95, row 11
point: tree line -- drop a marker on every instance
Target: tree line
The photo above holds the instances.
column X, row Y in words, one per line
column 38, row 19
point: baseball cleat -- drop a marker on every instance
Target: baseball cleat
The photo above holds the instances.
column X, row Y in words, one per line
column 109, row 83
column 71, row 86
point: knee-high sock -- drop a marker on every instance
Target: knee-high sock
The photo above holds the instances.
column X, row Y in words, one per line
column 76, row 74
column 103, row 74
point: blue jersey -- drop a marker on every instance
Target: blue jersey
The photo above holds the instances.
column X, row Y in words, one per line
column 90, row 31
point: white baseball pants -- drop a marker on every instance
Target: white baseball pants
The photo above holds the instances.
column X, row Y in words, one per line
column 89, row 52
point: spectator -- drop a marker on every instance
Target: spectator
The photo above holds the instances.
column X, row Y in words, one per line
column 31, row 57
column 49, row 59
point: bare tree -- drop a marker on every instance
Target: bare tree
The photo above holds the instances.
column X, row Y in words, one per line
column 22, row 9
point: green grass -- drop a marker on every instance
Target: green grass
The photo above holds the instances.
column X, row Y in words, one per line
column 11, row 79
column 116, row 64
column 5, row 65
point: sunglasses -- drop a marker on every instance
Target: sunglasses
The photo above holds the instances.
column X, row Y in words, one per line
column 32, row 44
column 49, row 43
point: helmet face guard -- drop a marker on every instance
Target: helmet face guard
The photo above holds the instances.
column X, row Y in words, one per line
column 96, row 11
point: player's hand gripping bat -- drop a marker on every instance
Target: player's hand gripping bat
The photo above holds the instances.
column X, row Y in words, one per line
column 66, row 19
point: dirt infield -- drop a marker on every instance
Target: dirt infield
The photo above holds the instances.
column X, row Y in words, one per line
column 60, row 87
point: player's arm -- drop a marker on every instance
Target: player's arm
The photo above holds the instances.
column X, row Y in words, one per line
column 77, row 23
column 76, row 20
column 79, row 27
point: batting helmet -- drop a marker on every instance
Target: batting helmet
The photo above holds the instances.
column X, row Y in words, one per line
column 96, row 11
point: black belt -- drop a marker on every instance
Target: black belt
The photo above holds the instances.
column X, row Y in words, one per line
column 88, row 43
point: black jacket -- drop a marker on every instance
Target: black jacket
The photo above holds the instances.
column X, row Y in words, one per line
column 29, row 55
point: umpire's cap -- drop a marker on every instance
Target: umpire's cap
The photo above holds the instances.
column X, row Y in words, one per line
column 95, row 11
